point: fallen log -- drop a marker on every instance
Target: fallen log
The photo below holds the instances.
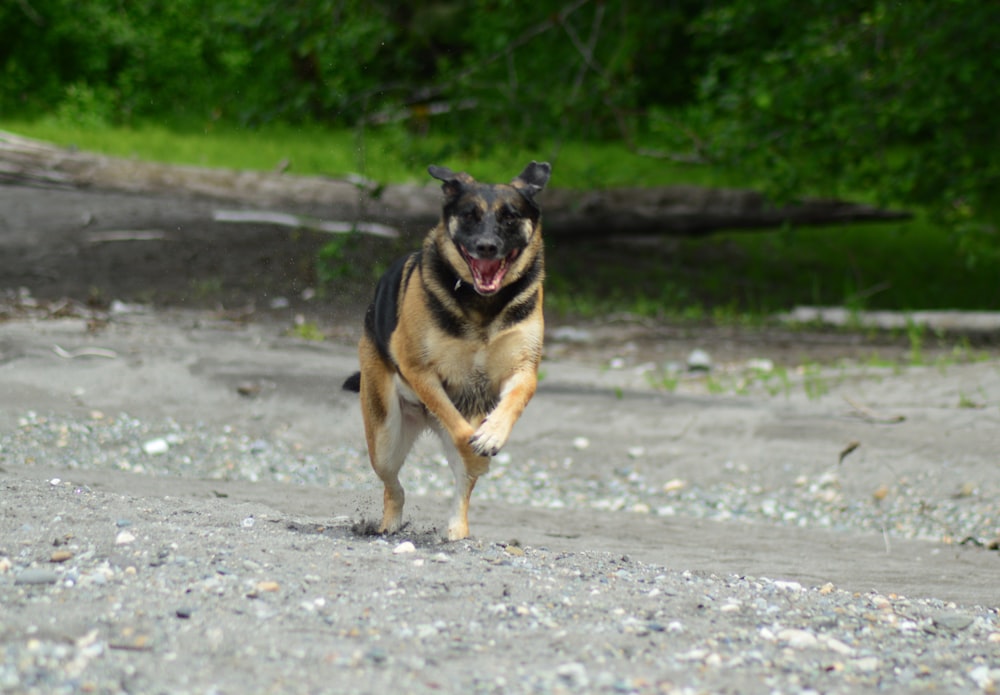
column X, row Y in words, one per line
column 668, row 210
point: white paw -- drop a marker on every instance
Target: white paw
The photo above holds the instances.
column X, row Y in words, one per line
column 489, row 438
column 458, row 530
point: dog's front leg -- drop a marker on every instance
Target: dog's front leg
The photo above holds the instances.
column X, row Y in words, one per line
column 466, row 468
column 466, row 464
column 495, row 429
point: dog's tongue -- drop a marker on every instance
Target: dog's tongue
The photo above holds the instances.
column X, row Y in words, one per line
column 487, row 273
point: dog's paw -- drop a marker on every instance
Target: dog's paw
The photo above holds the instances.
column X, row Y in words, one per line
column 489, row 438
column 458, row 529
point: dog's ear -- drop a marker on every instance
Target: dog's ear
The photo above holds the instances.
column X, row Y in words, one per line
column 454, row 183
column 533, row 179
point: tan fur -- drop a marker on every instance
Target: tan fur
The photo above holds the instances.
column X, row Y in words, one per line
column 435, row 367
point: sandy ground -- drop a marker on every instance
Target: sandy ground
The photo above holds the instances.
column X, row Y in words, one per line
column 772, row 525
column 298, row 551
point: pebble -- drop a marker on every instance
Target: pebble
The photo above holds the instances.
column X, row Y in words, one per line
column 761, row 364
column 787, row 585
column 699, row 361
column 124, row 538
column 985, row 677
column 798, row 639
column 836, row 645
column 865, row 664
column 36, row 576
column 404, row 547
column 574, row 674
column 156, row 447
column 674, row 485
column 953, row 621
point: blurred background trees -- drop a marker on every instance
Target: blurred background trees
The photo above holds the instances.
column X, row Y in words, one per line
column 893, row 101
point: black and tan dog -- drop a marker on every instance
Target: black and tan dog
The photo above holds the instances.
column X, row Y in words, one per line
column 453, row 338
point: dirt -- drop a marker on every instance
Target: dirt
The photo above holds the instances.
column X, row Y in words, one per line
column 824, row 484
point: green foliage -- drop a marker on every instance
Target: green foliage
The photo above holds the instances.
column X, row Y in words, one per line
column 891, row 99
column 492, row 70
column 333, row 261
column 895, row 102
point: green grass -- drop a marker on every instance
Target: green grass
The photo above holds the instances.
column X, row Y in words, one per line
column 387, row 155
column 731, row 277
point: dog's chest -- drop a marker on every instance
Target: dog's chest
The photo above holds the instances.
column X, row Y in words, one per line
column 469, row 381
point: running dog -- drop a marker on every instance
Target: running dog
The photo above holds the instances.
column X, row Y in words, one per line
column 453, row 337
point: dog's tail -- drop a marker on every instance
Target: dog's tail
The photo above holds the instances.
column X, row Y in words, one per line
column 353, row 383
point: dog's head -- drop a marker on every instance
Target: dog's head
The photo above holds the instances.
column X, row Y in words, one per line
column 490, row 225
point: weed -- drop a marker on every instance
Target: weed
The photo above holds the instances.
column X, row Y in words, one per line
column 815, row 383
column 666, row 380
column 965, row 401
column 308, row 330
column 333, row 261
column 206, row 288
column 714, row 386
column 915, row 335
column 776, row 381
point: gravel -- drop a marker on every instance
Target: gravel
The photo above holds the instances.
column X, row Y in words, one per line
column 121, row 572
column 911, row 508
column 364, row 614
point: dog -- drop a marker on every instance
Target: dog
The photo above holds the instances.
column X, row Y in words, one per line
column 453, row 337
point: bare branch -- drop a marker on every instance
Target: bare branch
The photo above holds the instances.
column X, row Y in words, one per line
column 588, row 54
column 31, row 13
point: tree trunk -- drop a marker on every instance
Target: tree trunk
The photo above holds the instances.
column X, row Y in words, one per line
column 331, row 205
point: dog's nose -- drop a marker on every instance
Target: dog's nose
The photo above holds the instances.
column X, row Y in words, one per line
column 486, row 248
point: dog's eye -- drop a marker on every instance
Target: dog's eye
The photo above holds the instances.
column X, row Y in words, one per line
column 470, row 216
column 507, row 218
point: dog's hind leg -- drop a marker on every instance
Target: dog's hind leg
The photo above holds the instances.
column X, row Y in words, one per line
column 387, row 453
column 391, row 427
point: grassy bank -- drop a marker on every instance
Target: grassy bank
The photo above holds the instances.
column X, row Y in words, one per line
column 732, row 276
column 388, row 155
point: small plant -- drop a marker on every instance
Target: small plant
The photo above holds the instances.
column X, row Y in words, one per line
column 777, row 381
column 665, row 380
column 308, row 330
column 915, row 334
column 332, row 259
column 714, row 386
column 815, row 384
column 966, row 401
column 206, row 288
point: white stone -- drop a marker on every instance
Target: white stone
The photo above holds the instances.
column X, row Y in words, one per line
column 155, row 447
column 798, row 639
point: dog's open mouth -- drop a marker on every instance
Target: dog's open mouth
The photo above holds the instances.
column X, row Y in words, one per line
column 488, row 273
